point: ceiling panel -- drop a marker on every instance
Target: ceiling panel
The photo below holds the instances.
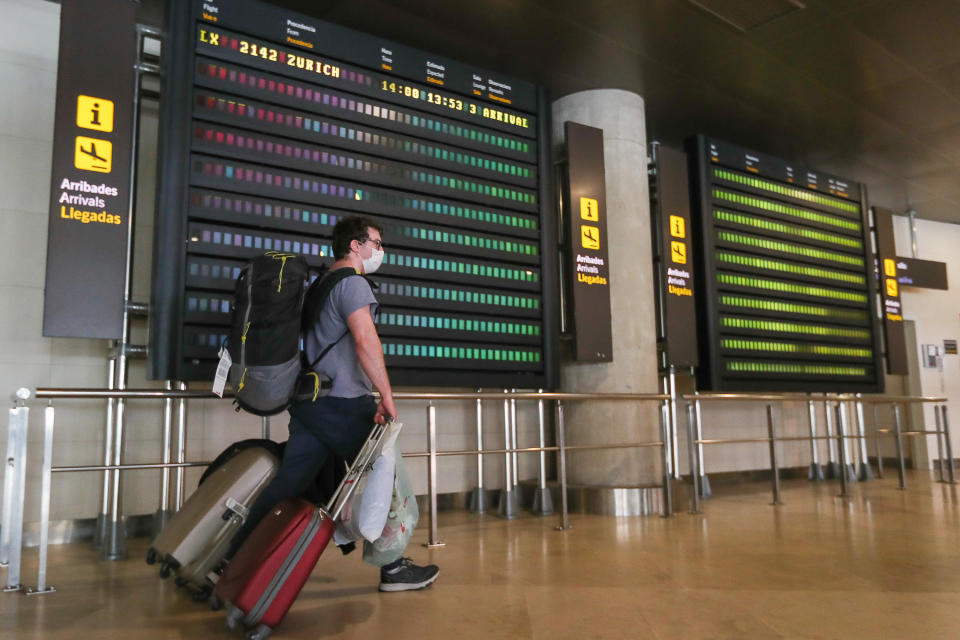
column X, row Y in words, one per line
column 916, row 105
column 870, row 89
column 924, row 33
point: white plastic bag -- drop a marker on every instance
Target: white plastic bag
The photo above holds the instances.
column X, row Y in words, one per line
column 401, row 521
column 365, row 513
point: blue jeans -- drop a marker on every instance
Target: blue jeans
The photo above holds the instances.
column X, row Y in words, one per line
column 317, row 429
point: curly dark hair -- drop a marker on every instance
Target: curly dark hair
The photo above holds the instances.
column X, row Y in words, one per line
column 349, row 229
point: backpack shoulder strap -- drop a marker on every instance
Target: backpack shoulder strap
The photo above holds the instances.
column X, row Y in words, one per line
column 316, row 297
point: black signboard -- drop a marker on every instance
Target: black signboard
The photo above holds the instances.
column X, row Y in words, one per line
column 786, row 275
column 923, row 274
column 275, row 125
column 588, row 242
column 90, row 185
column 889, row 278
column 674, row 257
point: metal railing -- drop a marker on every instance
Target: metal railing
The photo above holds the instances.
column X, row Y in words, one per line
column 11, row 543
column 840, row 405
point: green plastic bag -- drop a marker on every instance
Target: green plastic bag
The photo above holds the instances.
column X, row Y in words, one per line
column 401, row 521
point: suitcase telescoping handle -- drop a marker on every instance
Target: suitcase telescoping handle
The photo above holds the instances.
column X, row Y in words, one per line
column 368, row 453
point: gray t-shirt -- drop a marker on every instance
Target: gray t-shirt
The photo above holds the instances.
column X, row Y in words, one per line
column 341, row 363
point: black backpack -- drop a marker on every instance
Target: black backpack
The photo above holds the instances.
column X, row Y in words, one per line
column 268, row 370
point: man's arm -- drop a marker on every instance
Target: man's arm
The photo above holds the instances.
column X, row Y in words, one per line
column 370, row 354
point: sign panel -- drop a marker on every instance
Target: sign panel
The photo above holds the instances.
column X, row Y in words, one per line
column 587, row 231
column 786, row 274
column 923, row 274
column 670, row 208
column 275, row 125
column 90, row 185
column 889, row 275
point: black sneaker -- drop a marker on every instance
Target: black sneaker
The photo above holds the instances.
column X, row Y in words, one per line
column 408, row 576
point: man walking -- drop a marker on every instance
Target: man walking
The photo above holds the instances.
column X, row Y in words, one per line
column 340, row 422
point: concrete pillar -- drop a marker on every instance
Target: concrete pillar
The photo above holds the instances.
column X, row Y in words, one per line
column 634, row 369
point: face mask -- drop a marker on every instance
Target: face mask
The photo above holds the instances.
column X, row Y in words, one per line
column 371, row 264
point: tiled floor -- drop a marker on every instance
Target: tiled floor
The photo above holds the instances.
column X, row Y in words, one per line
column 881, row 564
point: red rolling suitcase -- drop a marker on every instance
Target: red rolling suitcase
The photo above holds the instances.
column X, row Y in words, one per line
column 266, row 575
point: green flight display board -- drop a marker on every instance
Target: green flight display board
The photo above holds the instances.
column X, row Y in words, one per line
column 788, row 300
column 275, row 125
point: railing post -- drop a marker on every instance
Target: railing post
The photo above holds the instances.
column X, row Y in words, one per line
column 876, row 440
column 114, row 545
column 898, row 426
column 103, row 518
column 11, row 470
column 674, row 422
column 832, row 467
column 946, row 441
column 562, row 445
column 842, row 447
column 515, row 457
column 705, row 491
column 478, row 501
column 19, row 420
column 692, row 455
column 508, row 497
column 665, row 461
column 816, row 471
column 181, row 446
column 542, row 501
column 940, row 461
column 45, row 488
column 865, row 474
column 774, row 469
column 434, row 540
column 163, row 510
column 846, row 465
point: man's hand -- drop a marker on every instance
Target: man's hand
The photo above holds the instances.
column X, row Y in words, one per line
column 386, row 411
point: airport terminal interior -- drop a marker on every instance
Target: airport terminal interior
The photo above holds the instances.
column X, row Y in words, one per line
column 662, row 294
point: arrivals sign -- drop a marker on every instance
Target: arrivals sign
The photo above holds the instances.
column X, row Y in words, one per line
column 890, row 292
column 923, row 274
column 670, row 201
column 587, row 231
column 90, row 183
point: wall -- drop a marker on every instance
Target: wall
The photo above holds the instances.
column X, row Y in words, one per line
column 29, row 36
column 936, row 314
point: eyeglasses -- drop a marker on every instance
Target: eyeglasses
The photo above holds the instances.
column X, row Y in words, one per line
column 378, row 244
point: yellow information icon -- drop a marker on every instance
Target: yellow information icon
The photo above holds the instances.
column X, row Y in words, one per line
column 678, row 228
column 95, row 113
column 893, row 289
column 589, row 209
column 93, row 154
column 678, row 252
column 889, row 267
column 590, row 237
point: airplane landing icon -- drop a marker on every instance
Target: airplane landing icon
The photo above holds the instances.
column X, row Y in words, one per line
column 590, row 237
column 92, row 154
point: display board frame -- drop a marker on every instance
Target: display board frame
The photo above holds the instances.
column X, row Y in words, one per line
column 802, row 373
column 505, row 288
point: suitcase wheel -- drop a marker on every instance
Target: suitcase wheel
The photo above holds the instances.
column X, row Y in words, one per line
column 202, row 594
column 164, row 570
column 262, row 632
column 234, row 616
column 151, row 556
column 215, row 603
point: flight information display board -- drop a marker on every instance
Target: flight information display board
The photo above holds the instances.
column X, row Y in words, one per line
column 788, row 296
column 275, row 125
